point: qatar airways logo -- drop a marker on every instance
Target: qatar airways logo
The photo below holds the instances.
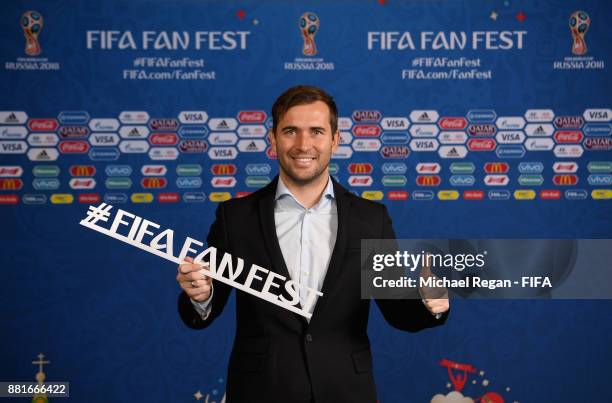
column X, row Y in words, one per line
column 453, row 40
column 167, row 40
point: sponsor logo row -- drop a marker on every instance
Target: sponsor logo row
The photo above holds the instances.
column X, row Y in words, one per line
column 132, row 118
column 393, row 195
column 45, row 171
column 430, row 168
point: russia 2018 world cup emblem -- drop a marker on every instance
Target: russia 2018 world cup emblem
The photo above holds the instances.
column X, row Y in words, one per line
column 309, row 25
column 32, row 23
column 579, row 25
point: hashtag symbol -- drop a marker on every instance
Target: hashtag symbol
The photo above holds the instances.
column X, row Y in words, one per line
column 415, row 62
column 95, row 214
column 138, row 62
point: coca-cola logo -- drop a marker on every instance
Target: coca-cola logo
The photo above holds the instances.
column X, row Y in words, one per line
column 43, row 125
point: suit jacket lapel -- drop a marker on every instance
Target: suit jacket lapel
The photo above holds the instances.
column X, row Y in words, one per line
column 343, row 205
column 266, row 216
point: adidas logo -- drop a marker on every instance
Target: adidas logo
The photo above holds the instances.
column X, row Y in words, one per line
column 252, row 146
column 539, row 130
column 424, row 116
column 222, row 125
column 453, row 152
column 134, row 132
column 11, row 119
column 43, row 155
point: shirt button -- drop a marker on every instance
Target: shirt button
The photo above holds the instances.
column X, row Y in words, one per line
column 308, row 338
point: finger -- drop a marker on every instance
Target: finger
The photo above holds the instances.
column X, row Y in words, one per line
column 189, row 267
column 195, row 292
column 200, row 284
column 191, row 276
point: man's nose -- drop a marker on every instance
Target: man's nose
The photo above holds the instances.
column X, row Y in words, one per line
column 302, row 141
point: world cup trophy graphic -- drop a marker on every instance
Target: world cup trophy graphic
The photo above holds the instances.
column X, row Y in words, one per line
column 309, row 25
column 579, row 25
column 32, row 23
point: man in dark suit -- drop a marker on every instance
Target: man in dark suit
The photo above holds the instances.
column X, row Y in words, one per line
column 306, row 227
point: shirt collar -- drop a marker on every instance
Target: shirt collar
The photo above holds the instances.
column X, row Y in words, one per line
column 282, row 190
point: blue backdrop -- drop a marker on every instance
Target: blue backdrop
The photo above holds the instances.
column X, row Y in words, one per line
column 134, row 103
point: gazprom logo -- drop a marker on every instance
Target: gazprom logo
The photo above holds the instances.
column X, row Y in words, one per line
column 73, row 117
column 258, row 169
column 481, row 116
column 510, row 151
column 193, row 132
column 103, row 154
column 398, row 168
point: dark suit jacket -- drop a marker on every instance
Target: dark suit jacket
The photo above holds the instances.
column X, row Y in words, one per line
column 277, row 355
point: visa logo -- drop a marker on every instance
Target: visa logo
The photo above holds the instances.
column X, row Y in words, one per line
column 12, row 147
column 193, row 116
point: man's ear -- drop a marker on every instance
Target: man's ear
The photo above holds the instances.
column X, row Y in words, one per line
column 272, row 138
column 336, row 140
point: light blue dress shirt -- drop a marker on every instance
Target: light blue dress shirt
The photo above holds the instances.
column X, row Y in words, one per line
column 306, row 237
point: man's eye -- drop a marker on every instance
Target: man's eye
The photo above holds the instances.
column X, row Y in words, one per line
column 318, row 132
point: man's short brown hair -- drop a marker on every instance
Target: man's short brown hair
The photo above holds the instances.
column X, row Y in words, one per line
column 302, row 95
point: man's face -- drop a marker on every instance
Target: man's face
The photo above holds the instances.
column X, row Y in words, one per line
column 304, row 142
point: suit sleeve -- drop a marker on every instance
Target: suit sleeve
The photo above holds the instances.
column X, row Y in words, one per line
column 409, row 315
column 217, row 237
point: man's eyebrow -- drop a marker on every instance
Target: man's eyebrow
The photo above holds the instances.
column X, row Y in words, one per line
column 317, row 128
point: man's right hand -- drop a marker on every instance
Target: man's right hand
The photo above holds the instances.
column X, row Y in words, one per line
column 193, row 280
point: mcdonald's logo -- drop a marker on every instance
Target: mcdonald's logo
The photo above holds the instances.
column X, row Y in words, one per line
column 153, row 183
column 448, row 195
column 372, row 195
column 141, row 197
column 223, row 169
column 217, row 197
column 565, row 180
column 82, row 170
column 360, row 168
column 496, row 167
column 10, row 184
column 428, row 180
column 62, row 198
column 524, row 194
column 601, row 194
